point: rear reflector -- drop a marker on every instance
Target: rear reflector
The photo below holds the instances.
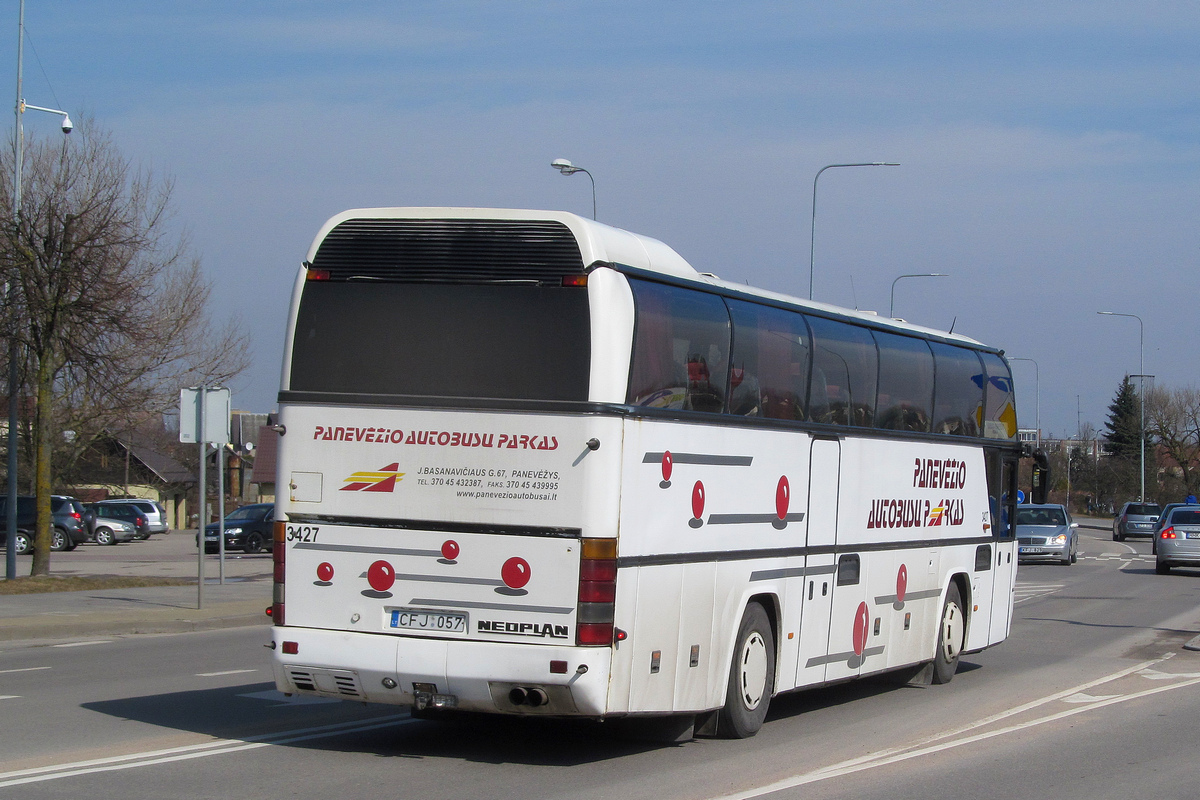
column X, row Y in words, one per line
column 317, row 275
column 291, row 648
column 574, row 280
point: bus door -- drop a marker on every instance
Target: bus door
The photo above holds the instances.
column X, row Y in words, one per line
column 1002, row 498
column 821, row 563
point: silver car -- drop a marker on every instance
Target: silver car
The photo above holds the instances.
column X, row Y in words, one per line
column 1178, row 543
column 1135, row 519
column 1046, row 532
column 111, row 531
column 154, row 512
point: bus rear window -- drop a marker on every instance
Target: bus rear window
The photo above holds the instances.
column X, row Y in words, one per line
column 499, row 341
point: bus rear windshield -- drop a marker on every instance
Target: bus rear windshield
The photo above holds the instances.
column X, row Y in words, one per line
column 442, row 340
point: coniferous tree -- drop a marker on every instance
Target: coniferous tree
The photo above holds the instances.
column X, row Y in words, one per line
column 1125, row 423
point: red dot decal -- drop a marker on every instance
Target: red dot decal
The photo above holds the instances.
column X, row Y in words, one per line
column 325, row 571
column 698, row 500
column 667, row 465
column 783, row 496
column 861, row 618
column 901, row 583
column 449, row 549
column 381, row 575
column 515, row 573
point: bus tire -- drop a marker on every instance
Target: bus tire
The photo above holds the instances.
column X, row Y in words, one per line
column 751, row 676
column 951, row 631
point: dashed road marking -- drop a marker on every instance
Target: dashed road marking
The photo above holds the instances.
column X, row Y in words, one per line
column 225, row 672
column 83, row 644
column 22, row 669
column 1031, row 591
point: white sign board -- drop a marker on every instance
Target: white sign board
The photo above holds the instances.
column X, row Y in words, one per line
column 212, row 419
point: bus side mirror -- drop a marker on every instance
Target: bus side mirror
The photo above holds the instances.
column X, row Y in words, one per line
column 1041, row 477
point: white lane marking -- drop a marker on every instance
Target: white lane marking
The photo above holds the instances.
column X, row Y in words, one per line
column 1088, row 698
column 83, row 644
column 1031, row 591
column 218, row 747
column 9, row 696
column 226, row 672
column 1156, row 675
column 895, row 755
column 22, row 669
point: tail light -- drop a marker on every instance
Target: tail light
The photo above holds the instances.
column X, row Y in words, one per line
column 1168, row 533
column 597, row 592
column 278, row 556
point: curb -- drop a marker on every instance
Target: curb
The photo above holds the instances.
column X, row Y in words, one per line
column 1194, row 644
column 32, row 628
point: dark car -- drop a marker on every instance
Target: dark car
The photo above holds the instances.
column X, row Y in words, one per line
column 1135, row 519
column 66, row 519
column 105, row 529
column 126, row 513
column 247, row 529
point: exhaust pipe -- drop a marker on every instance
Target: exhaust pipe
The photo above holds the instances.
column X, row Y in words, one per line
column 533, row 697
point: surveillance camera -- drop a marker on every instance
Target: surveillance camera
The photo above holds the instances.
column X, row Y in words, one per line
column 66, row 124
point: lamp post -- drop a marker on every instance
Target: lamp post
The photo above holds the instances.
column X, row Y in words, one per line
column 1037, row 385
column 13, row 375
column 892, row 305
column 813, row 232
column 1141, row 398
column 567, row 168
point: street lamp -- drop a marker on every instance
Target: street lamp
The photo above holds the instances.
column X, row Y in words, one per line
column 1037, row 385
column 813, row 232
column 13, row 377
column 892, row 305
column 567, row 168
column 1141, row 396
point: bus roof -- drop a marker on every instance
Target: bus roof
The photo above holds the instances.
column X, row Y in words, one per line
column 605, row 244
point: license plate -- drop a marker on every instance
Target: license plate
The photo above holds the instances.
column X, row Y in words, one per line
column 1027, row 549
column 417, row 619
column 1193, row 534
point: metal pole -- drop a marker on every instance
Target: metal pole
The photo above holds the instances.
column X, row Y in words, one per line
column 10, row 554
column 892, row 304
column 812, row 236
column 221, row 509
column 203, row 500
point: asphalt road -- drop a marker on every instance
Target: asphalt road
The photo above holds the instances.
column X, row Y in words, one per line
column 1094, row 696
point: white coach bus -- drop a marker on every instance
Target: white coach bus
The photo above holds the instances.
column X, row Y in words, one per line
column 535, row 465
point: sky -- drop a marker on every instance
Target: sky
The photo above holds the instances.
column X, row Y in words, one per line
column 1049, row 151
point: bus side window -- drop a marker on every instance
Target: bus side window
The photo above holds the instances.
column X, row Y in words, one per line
column 957, row 396
column 770, row 362
column 680, row 348
column 905, row 383
column 846, row 356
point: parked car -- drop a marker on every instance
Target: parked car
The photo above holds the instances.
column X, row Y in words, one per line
column 156, row 515
column 247, row 529
column 1046, row 532
column 126, row 513
column 1135, row 519
column 1178, row 542
column 66, row 519
column 106, row 530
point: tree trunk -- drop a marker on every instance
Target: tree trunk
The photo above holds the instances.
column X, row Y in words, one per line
column 41, row 448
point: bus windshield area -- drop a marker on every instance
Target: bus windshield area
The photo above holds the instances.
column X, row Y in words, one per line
column 503, row 341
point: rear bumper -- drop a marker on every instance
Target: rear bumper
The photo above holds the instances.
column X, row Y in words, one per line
column 477, row 675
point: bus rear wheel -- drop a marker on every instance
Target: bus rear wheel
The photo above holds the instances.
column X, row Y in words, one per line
column 751, row 676
column 951, row 632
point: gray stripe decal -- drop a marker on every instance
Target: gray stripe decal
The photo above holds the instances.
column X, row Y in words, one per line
column 490, row 606
column 833, row 658
column 356, row 548
column 792, row 572
column 701, row 459
column 744, row 519
column 924, row 595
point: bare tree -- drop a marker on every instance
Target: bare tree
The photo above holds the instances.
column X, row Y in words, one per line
column 108, row 306
column 1173, row 420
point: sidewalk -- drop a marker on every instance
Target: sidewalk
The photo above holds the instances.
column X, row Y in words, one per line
column 241, row 601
